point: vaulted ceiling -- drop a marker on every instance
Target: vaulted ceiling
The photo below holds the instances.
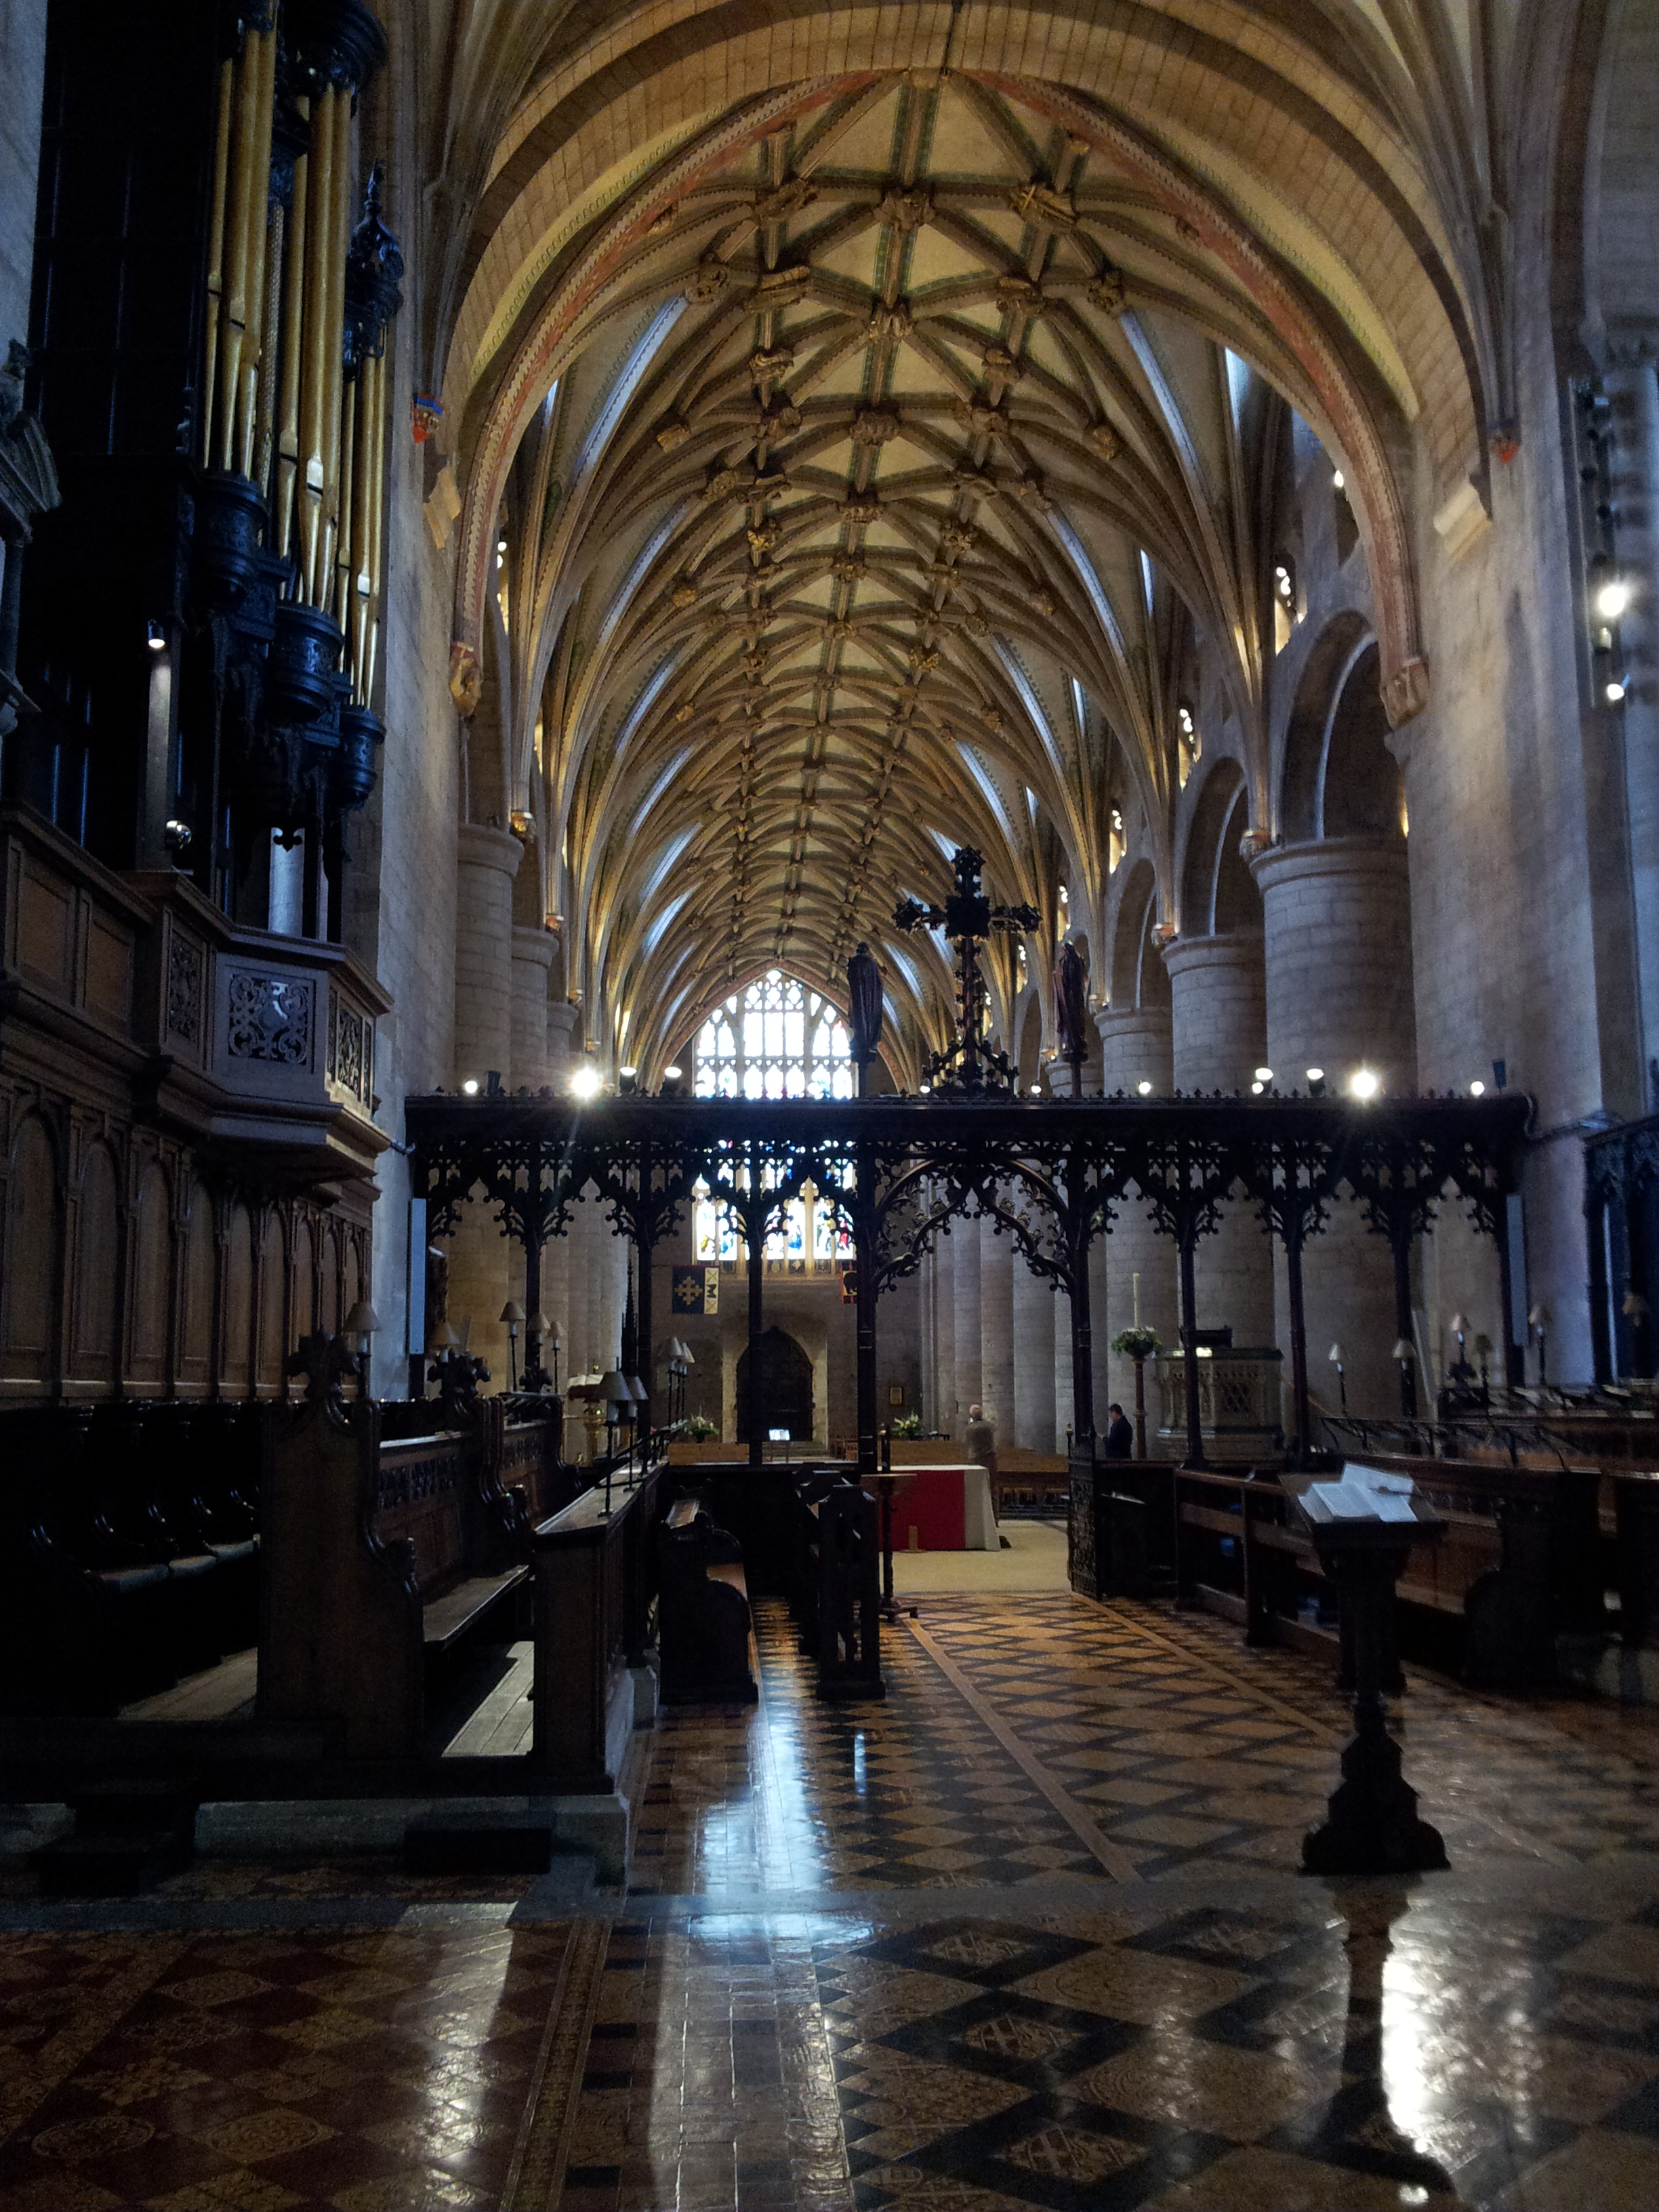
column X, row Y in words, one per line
column 859, row 412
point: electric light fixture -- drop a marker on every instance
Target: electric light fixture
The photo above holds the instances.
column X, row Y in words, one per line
column 1613, row 597
column 1364, row 1084
column 585, row 1083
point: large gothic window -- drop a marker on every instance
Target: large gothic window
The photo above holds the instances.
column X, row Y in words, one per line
column 776, row 1039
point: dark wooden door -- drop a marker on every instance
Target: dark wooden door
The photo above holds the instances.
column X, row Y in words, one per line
column 786, row 1387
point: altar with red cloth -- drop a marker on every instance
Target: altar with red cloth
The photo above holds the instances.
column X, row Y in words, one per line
column 949, row 1508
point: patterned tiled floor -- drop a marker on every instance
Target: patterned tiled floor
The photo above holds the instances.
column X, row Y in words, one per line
column 1026, row 1935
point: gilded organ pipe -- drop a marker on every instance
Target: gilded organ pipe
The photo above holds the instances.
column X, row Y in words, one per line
column 321, row 330
column 248, row 187
column 376, row 533
column 333, row 360
column 298, row 302
column 283, row 535
column 258, row 233
column 216, row 248
column 264, row 427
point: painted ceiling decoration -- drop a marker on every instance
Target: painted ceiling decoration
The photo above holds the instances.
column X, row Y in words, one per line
column 850, row 468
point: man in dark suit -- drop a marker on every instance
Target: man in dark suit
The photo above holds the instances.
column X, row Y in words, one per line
column 1120, row 1436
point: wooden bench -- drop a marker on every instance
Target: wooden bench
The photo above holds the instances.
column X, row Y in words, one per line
column 1519, row 1562
column 703, row 1616
column 379, row 1558
column 130, row 1555
column 595, row 1575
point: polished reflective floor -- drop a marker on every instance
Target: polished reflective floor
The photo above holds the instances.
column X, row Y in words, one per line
column 1028, row 1934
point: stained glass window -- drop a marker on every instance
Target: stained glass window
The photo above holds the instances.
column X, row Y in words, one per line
column 776, row 1039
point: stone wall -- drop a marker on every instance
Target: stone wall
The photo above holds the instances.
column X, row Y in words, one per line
column 23, row 71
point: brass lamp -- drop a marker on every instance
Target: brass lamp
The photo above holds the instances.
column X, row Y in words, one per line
column 1538, row 1321
column 361, row 1323
column 1402, row 1355
column 512, row 1314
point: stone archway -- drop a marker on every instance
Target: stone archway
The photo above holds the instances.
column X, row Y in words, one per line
column 786, row 1387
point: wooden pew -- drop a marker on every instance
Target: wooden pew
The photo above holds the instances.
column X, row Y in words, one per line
column 1636, row 1496
column 129, row 1553
column 704, row 1611
column 841, row 1585
column 594, row 1567
column 1518, row 1564
column 378, row 1559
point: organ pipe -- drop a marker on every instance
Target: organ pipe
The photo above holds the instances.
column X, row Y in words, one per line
column 288, row 435
column 295, row 385
column 216, row 247
column 249, row 171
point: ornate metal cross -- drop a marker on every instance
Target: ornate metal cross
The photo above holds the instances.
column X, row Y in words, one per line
column 968, row 918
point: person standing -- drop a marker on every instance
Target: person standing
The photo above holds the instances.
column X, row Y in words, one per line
column 980, row 1441
column 1120, row 1434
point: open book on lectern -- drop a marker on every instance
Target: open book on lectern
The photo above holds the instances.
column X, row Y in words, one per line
column 1361, row 1493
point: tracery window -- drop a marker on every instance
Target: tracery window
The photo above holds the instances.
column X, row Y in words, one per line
column 814, row 1239
column 776, row 1039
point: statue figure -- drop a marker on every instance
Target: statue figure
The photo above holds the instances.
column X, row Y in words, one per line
column 864, row 1009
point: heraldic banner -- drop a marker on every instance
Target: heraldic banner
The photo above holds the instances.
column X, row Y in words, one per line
column 696, row 1290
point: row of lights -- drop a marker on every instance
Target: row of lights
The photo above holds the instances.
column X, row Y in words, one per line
column 1364, row 1084
column 586, row 1082
column 1610, row 590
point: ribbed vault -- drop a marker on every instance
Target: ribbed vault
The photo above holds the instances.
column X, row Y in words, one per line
column 869, row 449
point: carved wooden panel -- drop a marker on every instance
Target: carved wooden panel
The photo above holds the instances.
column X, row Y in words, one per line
column 331, row 1313
column 107, row 990
column 45, row 929
column 303, row 1303
column 29, row 1246
column 273, row 1304
column 95, row 1277
column 238, row 1301
column 196, row 1349
column 152, row 1279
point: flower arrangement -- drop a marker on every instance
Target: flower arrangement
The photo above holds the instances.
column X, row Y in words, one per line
column 906, row 1424
column 1136, row 1343
column 698, row 1428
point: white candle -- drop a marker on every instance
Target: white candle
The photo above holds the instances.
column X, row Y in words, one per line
column 1135, row 1279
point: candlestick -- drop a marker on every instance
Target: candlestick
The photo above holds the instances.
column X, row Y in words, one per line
column 1135, row 1279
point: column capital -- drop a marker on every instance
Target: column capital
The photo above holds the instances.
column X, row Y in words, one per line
column 1384, row 857
column 535, row 945
column 1239, row 949
column 480, row 847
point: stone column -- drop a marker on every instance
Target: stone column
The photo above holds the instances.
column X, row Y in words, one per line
column 996, row 1321
column 485, row 1269
column 1136, row 1046
column 533, row 956
column 1218, row 1036
column 965, row 1271
column 1065, row 1408
column 1632, row 390
column 1337, row 913
column 483, row 951
column 1036, row 1309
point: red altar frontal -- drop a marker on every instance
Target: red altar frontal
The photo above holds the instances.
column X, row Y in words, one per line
column 949, row 1508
